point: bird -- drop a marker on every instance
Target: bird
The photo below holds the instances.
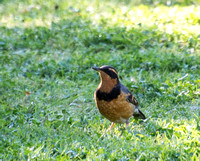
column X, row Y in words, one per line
column 113, row 100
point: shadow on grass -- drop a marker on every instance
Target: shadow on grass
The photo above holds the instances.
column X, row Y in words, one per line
column 145, row 48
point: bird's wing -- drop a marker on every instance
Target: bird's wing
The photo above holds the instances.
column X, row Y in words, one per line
column 130, row 98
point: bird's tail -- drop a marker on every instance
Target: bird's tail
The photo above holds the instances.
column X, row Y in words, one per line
column 138, row 114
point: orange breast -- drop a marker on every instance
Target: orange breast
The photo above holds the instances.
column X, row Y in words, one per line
column 118, row 110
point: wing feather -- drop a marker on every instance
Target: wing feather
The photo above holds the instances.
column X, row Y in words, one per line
column 130, row 98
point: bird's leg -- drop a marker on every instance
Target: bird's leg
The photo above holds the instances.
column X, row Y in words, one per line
column 108, row 130
column 127, row 122
column 111, row 126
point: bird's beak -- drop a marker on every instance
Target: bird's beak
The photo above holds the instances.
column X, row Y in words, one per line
column 96, row 68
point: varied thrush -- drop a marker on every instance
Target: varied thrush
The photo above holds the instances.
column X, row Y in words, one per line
column 113, row 100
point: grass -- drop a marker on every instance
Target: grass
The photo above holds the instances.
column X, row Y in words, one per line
column 47, row 108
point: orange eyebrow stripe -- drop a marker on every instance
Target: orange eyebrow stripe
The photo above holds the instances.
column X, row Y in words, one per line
column 113, row 70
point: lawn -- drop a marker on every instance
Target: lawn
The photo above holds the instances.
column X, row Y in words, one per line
column 47, row 49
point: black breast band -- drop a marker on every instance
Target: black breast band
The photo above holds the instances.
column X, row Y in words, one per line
column 114, row 93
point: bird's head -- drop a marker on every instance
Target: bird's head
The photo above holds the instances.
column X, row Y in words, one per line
column 109, row 77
